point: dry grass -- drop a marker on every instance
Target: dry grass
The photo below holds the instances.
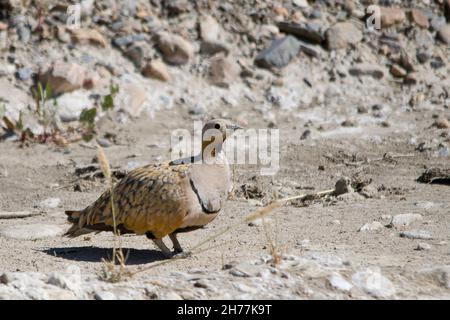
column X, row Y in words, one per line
column 113, row 270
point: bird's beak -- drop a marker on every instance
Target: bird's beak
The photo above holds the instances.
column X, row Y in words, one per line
column 233, row 127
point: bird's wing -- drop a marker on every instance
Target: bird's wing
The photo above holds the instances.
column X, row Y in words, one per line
column 152, row 198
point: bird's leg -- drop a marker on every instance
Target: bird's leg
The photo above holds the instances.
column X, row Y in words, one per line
column 166, row 251
column 176, row 245
column 178, row 250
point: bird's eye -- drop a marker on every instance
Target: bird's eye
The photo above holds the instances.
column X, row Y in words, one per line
column 217, row 126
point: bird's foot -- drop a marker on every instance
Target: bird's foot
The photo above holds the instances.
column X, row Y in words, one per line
column 181, row 255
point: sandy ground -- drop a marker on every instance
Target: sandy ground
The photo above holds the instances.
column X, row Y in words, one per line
column 38, row 172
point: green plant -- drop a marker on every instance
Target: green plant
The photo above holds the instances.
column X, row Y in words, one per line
column 45, row 113
column 87, row 116
column 108, row 100
column 87, row 121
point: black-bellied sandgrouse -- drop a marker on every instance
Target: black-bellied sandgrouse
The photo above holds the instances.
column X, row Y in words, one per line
column 165, row 199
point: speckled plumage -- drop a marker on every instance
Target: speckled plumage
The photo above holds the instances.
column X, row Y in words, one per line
column 159, row 200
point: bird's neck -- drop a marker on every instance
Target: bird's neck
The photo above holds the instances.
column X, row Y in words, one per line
column 212, row 151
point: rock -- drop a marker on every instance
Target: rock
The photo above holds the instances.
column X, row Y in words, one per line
column 279, row 54
column 104, row 295
column 410, row 79
column 88, row 36
column 405, row 219
column 127, row 40
column 13, row 99
column 70, row 105
column 3, row 26
column 423, row 246
column 391, row 16
column 447, row 9
column 440, row 274
column 398, row 71
column 301, row 3
column 223, row 70
column 176, row 7
column 444, row 34
column 35, row 231
column 338, row 282
column 420, row 18
column 174, row 48
column 69, row 281
column 442, row 123
column 212, row 36
column 156, row 69
column 304, row 244
column 423, row 56
column 310, row 31
column 369, row 192
column 136, row 54
column 416, row 234
column 373, row 226
column 105, row 143
column 133, row 99
column 8, row 293
column 373, row 283
column 50, row 203
column 343, row 34
column 24, row 73
column 343, row 185
column 24, row 33
column 63, row 77
column 306, row 134
column 63, row 35
column 363, row 69
column 426, row 205
column 259, row 222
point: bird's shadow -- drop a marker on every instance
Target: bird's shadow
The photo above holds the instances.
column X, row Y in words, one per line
column 96, row 254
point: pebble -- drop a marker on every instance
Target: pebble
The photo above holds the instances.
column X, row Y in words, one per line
column 35, row 231
column 50, row 203
column 338, row 282
column 373, row 226
column 364, row 69
column 416, row 234
column 175, row 49
column 405, row 219
column 156, row 69
column 373, row 283
column 104, row 295
column 391, row 16
column 420, row 18
column 88, row 36
column 343, row 34
column 310, row 31
column 423, row 246
column 343, row 185
column 279, row 53
column 398, row 71
column 223, row 70
column 70, row 105
column 426, row 205
column 24, row 73
column 63, row 77
column 444, row 34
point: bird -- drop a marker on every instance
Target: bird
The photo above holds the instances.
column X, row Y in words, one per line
column 164, row 199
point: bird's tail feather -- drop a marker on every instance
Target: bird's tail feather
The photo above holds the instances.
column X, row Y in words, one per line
column 76, row 230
